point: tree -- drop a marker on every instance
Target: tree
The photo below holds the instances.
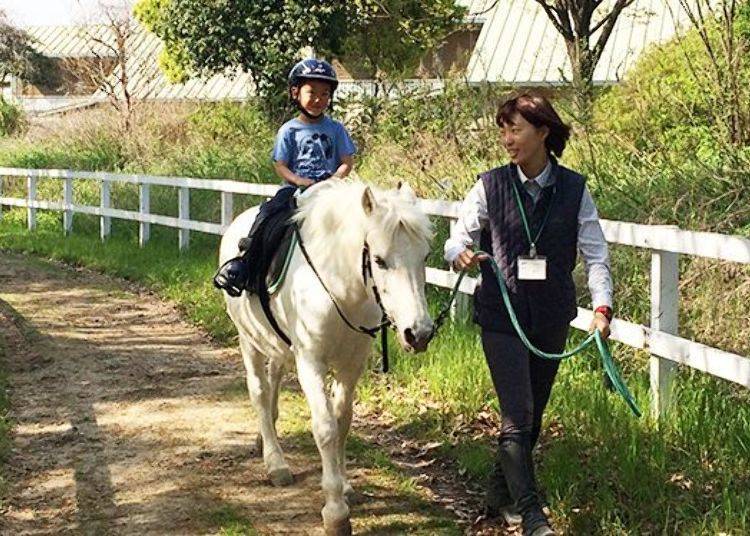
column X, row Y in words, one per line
column 17, row 55
column 259, row 36
column 388, row 38
column 578, row 21
column 265, row 37
column 724, row 30
column 125, row 83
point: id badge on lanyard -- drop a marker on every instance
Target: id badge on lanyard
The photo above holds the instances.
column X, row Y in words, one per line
column 531, row 267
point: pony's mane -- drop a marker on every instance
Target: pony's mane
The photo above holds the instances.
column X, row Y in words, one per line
column 333, row 215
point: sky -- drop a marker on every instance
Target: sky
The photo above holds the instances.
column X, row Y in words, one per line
column 52, row 12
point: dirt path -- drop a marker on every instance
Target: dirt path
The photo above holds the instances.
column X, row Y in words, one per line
column 129, row 421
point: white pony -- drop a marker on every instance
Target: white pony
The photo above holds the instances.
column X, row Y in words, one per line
column 342, row 224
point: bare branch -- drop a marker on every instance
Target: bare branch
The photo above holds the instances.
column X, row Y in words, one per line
column 611, row 20
column 558, row 19
column 574, row 20
column 110, row 68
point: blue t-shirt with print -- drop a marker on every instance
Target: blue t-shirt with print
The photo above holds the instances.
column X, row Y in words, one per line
column 313, row 150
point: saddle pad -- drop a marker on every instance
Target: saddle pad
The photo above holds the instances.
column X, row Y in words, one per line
column 271, row 250
column 280, row 262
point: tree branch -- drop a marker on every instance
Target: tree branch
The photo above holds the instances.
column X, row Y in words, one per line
column 611, row 18
column 555, row 15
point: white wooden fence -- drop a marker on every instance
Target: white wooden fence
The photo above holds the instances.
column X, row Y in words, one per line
column 666, row 243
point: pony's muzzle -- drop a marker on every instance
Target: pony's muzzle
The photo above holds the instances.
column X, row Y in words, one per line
column 418, row 338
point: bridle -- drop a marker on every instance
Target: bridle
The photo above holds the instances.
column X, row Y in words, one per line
column 366, row 263
column 385, row 320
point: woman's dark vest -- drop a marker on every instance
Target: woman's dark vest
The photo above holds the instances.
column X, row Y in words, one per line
column 539, row 305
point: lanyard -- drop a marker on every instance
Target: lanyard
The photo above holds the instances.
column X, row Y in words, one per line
column 519, row 203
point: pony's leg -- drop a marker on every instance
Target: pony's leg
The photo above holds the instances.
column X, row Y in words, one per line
column 260, row 396
column 312, row 373
column 275, row 373
column 344, row 384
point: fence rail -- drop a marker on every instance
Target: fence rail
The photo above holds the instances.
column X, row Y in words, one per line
column 665, row 242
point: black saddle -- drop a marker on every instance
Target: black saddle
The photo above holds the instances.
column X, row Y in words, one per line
column 270, row 250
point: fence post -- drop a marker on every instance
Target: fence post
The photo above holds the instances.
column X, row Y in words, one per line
column 183, row 213
column 144, row 208
column 2, row 179
column 461, row 307
column 68, row 201
column 105, row 202
column 30, row 198
column 227, row 208
column 664, row 317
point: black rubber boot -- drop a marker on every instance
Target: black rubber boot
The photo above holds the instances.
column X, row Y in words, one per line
column 233, row 276
column 498, row 502
column 515, row 458
column 540, row 493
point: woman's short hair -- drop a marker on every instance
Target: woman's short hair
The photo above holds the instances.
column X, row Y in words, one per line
column 538, row 111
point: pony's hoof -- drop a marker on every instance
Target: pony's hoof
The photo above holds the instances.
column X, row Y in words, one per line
column 339, row 528
column 281, row 477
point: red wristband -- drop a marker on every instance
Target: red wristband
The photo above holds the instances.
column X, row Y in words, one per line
column 606, row 311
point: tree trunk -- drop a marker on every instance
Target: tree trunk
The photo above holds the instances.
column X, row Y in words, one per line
column 582, row 66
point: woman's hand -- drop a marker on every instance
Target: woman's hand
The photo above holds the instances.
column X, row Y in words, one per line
column 467, row 259
column 601, row 323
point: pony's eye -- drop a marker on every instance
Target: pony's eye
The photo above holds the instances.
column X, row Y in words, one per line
column 381, row 263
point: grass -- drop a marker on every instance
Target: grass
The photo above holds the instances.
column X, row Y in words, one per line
column 603, row 470
column 182, row 277
column 230, row 522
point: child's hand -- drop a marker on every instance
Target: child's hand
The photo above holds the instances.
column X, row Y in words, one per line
column 305, row 182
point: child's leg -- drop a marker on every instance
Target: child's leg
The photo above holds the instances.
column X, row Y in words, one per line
column 235, row 274
column 278, row 202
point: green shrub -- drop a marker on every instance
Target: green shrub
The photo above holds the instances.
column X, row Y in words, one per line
column 435, row 141
column 660, row 151
column 231, row 122
column 12, row 118
column 103, row 152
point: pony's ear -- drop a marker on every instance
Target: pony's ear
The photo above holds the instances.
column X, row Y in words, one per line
column 406, row 192
column 368, row 201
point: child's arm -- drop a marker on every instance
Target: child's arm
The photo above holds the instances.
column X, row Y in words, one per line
column 287, row 174
column 347, row 163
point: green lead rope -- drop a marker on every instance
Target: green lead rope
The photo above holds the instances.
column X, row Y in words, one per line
column 609, row 364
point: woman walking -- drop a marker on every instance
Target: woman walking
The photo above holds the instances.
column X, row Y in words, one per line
column 532, row 215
